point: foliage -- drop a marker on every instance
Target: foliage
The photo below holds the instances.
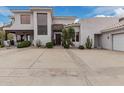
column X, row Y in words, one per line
column 66, row 46
column 88, row 43
column 49, row 45
column 1, row 46
column 67, row 35
column 38, row 43
column 2, row 37
column 81, row 47
column 10, row 36
column 23, row 44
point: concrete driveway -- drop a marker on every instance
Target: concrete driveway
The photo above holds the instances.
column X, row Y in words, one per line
column 61, row 67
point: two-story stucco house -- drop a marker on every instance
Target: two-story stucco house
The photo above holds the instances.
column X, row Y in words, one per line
column 41, row 24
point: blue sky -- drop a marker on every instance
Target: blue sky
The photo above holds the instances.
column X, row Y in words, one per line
column 79, row 11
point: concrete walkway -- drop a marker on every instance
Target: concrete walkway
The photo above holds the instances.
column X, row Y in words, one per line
column 60, row 67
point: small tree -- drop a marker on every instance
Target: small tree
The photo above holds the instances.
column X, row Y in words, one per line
column 2, row 37
column 88, row 43
column 67, row 35
column 10, row 36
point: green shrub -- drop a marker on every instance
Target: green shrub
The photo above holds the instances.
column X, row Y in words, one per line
column 23, row 44
column 67, row 36
column 81, row 47
column 88, row 43
column 49, row 45
column 1, row 46
column 66, row 46
column 10, row 36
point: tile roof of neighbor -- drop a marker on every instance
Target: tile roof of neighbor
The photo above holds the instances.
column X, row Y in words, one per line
column 114, row 27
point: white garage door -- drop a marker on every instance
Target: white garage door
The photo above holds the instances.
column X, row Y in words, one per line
column 118, row 42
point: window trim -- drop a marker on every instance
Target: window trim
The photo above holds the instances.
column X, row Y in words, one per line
column 43, row 25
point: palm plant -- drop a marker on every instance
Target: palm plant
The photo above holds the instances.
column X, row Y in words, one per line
column 2, row 37
column 67, row 35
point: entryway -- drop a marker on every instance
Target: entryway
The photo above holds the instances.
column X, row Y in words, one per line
column 58, row 39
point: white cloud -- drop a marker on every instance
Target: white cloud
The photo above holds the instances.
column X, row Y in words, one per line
column 119, row 12
column 102, row 16
column 107, row 11
column 1, row 24
column 77, row 20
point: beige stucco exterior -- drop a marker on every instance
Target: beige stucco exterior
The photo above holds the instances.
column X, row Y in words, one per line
column 63, row 20
column 92, row 26
column 17, row 23
column 44, row 38
column 101, row 26
column 109, row 33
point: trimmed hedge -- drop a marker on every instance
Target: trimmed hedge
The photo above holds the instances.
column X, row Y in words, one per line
column 81, row 47
column 23, row 44
column 49, row 45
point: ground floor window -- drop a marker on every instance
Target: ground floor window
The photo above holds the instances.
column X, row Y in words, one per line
column 76, row 38
column 73, row 39
column 42, row 29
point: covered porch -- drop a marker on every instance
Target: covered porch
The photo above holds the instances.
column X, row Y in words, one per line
column 20, row 35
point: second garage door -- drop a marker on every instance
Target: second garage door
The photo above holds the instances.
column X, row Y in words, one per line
column 118, row 42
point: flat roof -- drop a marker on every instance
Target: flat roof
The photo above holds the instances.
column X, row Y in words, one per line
column 64, row 17
column 32, row 9
column 21, row 11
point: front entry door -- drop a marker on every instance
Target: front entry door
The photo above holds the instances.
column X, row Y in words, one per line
column 58, row 39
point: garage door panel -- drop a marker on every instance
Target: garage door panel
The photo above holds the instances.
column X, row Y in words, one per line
column 118, row 42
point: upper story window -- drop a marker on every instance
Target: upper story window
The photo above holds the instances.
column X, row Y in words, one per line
column 25, row 19
column 42, row 23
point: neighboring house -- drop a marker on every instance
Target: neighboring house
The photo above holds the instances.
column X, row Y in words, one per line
column 113, row 37
column 40, row 24
column 92, row 27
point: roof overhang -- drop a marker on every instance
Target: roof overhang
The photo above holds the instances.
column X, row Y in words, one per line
column 57, row 27
column 112, row 29
column 21, row 11
column 65, row 17
column 9, row 28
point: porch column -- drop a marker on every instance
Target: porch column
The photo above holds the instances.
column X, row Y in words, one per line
column 25, row 37
column 15, row 38
column 6, row 35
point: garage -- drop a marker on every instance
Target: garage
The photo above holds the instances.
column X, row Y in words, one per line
column 118, row 42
